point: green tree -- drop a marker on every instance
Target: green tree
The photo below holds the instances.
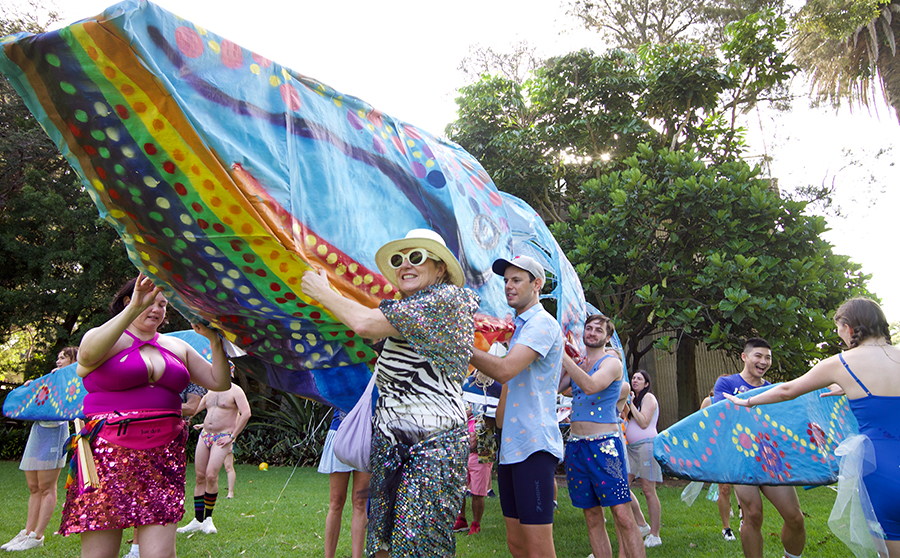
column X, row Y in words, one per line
column 699, row 251
column 848, row 47
column 631, row 24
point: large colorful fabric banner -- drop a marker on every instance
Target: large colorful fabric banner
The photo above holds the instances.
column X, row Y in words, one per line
column 792, row 442
column 59, row 395
column 228, row 176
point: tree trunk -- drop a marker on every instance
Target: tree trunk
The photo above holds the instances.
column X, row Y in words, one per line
column 686, row 376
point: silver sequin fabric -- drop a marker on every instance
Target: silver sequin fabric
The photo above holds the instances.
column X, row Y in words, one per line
column 430, row 490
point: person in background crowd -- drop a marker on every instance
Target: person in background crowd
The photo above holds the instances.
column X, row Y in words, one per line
column 44, row 458
column 642, row 411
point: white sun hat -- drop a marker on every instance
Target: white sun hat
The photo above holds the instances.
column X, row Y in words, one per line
column 420, row 238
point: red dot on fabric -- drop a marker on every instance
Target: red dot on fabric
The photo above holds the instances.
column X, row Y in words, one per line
column 167, row 266
column 101, row 172
column 150, row 149
column 280, row 300
column 290, row 96
column 237, row 245
column 315, row 315
column 703, row 457
column 398, row 144
column 189, row 42
column 261, row 60
column 360, row 354
column 218, row 227
column 249, row 258
column 275, row 287
column 301, row 305
column 232, row 55
column 179, row 187
column 177, row 277
column 261, row 272
column 495, row 199
column 113, row 194
column 411, row 132
column 350, row 333
column 169, row 167
column 90, row 150
column 197, row 207
column 74, row 129
column 712, row 440
column 290, row 296
column 333, row 333
column 351, row 344
column 122, row 112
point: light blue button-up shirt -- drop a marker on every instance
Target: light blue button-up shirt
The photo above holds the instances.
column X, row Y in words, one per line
column 529, row 421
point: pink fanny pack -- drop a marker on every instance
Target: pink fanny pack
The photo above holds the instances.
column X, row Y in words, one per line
column 142, row 429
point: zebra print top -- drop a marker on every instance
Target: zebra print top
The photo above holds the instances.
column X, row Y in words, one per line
column 419, row 375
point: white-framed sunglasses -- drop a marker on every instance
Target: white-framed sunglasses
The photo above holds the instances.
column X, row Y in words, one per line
column 414, row 257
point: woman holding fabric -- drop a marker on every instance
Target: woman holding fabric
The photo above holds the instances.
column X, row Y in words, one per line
column 869, row 374
column 420, row 440
column 133, row 378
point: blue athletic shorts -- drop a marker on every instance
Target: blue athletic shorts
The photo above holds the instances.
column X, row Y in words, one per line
column 526, row 488
column 597, row 473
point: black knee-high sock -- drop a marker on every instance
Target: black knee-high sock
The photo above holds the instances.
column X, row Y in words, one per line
column 209, row 501
column 199, row 507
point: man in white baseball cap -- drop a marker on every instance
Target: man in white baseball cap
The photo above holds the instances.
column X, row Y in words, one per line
column 530, row 443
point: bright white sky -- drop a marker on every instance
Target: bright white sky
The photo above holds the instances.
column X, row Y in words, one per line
column 401, row 56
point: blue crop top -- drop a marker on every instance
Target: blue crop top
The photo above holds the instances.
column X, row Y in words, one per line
column 122, row 382
column 599, row 407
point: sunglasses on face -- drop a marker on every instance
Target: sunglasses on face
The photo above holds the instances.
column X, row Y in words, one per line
column 414, row 257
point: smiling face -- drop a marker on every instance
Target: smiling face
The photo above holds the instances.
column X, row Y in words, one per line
column 757, row 361
column 63, row 360
column 521, row 292
column 153, row 316
column 413, row 278
column 595, row 334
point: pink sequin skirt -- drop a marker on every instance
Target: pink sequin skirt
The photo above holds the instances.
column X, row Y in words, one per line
column 137, row 487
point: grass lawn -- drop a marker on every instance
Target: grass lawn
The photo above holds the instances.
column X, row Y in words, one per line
column 281, row 512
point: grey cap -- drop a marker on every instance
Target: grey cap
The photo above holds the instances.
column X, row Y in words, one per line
column 526, row 263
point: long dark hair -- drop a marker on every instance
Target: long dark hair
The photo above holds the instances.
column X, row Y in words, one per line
column 118, row 302
column 639, row 397
column 865, row 318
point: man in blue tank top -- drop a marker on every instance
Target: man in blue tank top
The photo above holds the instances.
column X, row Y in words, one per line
column 530, row 443
column 757, row 358
column 595, row 455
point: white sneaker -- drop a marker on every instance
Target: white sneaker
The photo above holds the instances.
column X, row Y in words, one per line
column 15, row 540
column 645, row 530
column 652, row 540
column 208, row 526
column 728, row 534
column 29, row 542
column 132, row 554
column 194, row 525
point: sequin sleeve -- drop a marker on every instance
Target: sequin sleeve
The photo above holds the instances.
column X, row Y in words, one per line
column 439, row 322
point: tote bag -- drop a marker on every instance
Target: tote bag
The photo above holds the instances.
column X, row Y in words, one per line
column 353, row 439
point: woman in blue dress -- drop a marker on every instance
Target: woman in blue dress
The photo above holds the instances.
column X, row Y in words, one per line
column 869, row 375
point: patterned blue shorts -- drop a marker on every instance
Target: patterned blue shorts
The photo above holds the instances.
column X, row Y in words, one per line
column 596, row 472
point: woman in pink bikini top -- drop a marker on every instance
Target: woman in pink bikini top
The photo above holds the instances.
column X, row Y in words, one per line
column 133, row 377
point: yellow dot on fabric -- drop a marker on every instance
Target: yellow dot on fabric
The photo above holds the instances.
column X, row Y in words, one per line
column 101, row 109
column 117, row 214
column 214, row 46
column 163, row 203
column 695, row 437
column 274, row 81
column 233, row 273
column 340, row 269
column 299, row 348
column 702, row 424
column 145, row 256
column 227, row 283
column 322, row 249
column 357, row 281
column 186, row 219
column 112, row 134
column 353, row 267
column 297, row 335
column 311, row 338
column 685, row 443
column 200, row 30
column 128, row 152
column 370, row 127
column 190, row 236
column 98, row 185
column 150, row 182
column 796, row 438
column 295, row 326
column 410, row 143
column 254, row 301
column 388, row 288
column 430, row 163
column 254, row 68
column 337, row 102
column 417, row 154
column 740, row 427
column 734, row 440
column 285, row 75
column 774, row 424
column 210, row 250
column 674, row 441
column 332, row 258
column 245, row 290
column 310, row 240
column 375, row 288
column 139, row 238
column 152, row 269
column 368, row 278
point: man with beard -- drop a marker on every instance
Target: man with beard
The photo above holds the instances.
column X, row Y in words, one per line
column 757, row 357
column 596, row 462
